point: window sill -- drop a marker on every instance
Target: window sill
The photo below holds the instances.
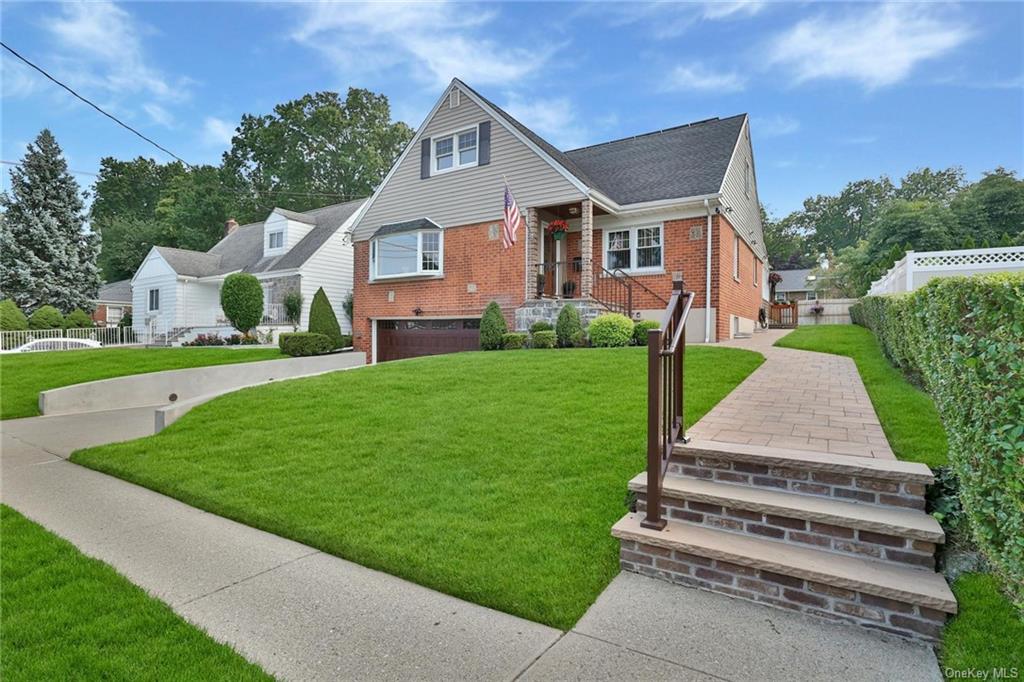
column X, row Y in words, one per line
column 405, row 278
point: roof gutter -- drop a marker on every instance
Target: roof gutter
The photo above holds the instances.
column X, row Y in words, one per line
column 619, row 209
column 707, row 278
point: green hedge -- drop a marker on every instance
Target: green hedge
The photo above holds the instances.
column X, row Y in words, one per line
column 78, row 319
column 492, row 328
column 640, row 330
column 46, row 317
column 513, row 340
column 569, row 327
column 11, row 317
column 963, row 337
column 610, row 330
column 298, row 344
column 545, row 338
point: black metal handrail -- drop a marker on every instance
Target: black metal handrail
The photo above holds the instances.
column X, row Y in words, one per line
column 614, row 292
column 633, row 281
column 666, row 350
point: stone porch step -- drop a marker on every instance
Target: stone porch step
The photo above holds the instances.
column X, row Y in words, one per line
column 904, row 601
column 886, row 482
column 907, row 523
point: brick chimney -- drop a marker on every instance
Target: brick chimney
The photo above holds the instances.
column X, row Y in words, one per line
column 230, row 226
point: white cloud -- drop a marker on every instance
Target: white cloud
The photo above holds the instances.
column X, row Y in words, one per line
column 553, row 118
column 698, row 77
column 18, row 79
column 436, row 41
column 101, row 45
column 159, row 115
column 217, row 132
column 877, row 45
column 860, row 139
column 671, row 19
column 775, row 126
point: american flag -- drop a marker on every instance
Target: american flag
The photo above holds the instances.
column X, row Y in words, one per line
column 508, row 234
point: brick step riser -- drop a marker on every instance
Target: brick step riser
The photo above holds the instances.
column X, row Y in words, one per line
column 804, row 481
column 860, row 543
column 784, row 591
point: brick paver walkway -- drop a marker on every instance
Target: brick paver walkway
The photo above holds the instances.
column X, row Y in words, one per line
column 797, row 400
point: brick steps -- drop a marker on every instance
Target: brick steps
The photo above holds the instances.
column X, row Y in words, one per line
column 883, row 482
column 905, row 536
column 897, row 599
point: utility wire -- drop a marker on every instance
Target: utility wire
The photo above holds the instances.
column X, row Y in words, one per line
column 73, row 172
column 94, row 106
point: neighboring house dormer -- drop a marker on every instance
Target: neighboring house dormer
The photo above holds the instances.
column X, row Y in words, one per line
column 283, row 229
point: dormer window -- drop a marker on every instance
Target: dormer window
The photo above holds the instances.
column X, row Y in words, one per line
column 458, row 150
column 275, row 240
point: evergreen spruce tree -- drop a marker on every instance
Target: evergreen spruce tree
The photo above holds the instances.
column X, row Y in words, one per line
column 46, row 255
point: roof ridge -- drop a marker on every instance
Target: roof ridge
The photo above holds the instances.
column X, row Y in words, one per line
column 655, row 132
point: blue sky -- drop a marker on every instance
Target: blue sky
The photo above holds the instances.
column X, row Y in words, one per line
column 836, row 91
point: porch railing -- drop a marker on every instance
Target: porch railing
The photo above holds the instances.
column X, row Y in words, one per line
column 666, row 355
column 559, row 279
column 784, row 315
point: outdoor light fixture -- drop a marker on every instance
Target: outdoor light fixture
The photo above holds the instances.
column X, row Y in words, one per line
column 417, row 311
column 574, row 210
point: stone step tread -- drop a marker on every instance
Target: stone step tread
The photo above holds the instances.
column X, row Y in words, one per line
column 887, row 469
column 908, row 585
column 907, row 523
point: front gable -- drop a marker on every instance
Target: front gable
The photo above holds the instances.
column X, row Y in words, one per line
column 417, row 187
column 153, row 266
column 739, row 193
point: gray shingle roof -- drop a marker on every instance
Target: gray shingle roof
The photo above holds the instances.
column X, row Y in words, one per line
column 242, row 250
column 116, row 292
column 794, row 280
column 407, row 226
column 685, row 161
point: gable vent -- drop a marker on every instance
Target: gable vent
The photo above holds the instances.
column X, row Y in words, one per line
column 454, row 98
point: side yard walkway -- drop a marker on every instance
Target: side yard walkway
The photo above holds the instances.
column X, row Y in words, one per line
column 797, row 400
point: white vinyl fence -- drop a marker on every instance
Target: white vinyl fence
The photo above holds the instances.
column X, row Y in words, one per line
column 915, row 269
column 834, row 311
column 108, row 336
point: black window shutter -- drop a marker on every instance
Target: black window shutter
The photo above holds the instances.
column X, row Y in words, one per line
column 484, row 155
column 425, row 158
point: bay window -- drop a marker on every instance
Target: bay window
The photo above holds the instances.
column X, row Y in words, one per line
column 457, row 150
column 634, row 248
column 407, row 254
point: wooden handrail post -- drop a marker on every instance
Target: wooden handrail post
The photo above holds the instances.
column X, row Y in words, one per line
column 653, row 517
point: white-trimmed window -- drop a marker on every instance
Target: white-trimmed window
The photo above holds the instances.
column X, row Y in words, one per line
column 736, row 257
column 635, row 249
column 154, row 299
column 275, row 240
column 407, row 254
column 811, row 296
column 457, row 150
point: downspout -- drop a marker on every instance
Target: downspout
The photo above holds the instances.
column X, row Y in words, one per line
column 707, row 280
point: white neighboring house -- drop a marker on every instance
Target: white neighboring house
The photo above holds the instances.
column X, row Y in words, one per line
column 177, row 291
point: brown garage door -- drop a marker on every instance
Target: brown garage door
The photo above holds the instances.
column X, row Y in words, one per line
column 397, row 339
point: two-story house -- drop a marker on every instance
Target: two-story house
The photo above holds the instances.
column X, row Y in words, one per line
column 640, row 212
column 176, row 292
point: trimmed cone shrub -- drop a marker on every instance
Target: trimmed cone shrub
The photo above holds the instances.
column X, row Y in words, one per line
column 964, row 337
column 541, row 326
column 11, row 317
column 545, row 339
column 492, row 327
column 569, row 328
column 513, row 340
column 302, row 344
column 322, row 319
column 293, row 307
column 78, row 319
column 241, row 299
column 640, row 330
column 46, row 317
column 611, row 330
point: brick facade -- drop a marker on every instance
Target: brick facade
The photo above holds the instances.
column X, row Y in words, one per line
column 736, row 295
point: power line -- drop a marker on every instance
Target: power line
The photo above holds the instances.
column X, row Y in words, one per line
column 94, row 106
column 73, row 172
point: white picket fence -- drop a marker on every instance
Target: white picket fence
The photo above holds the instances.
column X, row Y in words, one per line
column 915, row 269
column 108, row 336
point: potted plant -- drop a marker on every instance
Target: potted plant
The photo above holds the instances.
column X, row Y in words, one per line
column 569, row 288
column 817, row 309
column 558, row 228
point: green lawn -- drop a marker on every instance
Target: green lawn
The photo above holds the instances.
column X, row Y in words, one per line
column 988, row 633
column 907, row 413
column 494, row 477
column 24, row 375
column 69, row 617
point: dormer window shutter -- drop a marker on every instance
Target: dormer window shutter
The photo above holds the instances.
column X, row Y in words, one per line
column 425, row 158
column 484, row 152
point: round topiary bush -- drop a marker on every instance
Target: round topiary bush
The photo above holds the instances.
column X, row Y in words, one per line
column 544, row 339
column 78, row 319
column 302, row 344
column 610, row 330
column 492, row 327
column 513, row 340
column 241, row 299
column 541, row 326
column 569, row 328
column 46, row 317
column 322, row 319
column 11, row 317
column 640, row 330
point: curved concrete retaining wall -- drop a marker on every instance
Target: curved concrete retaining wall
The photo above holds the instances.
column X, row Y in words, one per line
column 179, row 385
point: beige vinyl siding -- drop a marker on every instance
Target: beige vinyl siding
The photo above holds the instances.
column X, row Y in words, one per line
column 470, row 195
column 331, row 268
column 746, row 214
